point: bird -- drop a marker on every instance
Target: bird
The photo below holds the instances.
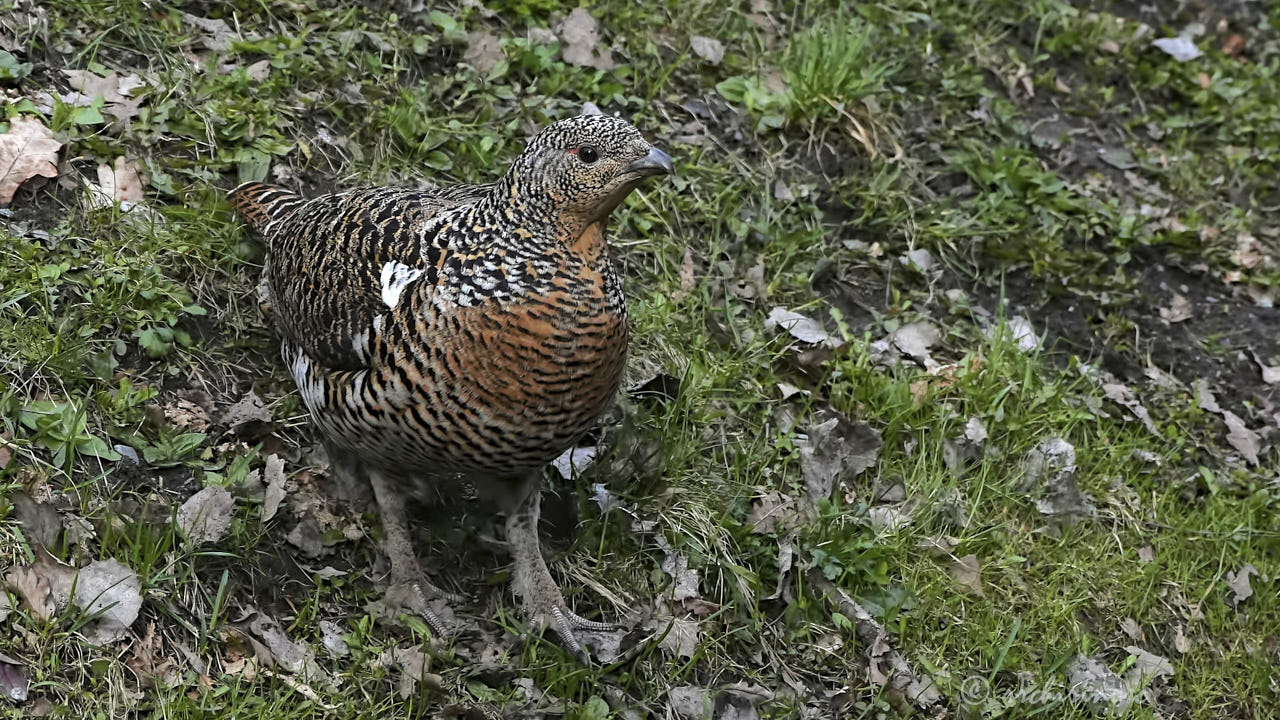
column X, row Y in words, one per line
column 468, row 333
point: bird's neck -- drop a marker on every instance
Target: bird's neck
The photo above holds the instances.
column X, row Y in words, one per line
column 520, row 223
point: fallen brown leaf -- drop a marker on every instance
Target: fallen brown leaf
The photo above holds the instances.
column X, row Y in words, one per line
column 27, row 150
column 581, row 38
column 968, row 572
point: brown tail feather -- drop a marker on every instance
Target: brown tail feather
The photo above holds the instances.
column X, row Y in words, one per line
column 259, row 203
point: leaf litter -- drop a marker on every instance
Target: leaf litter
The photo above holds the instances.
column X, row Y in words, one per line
column 106, row 590
column 967, row 572
column 915, row 340
column 116, row 92
column 707, row 48
column 248, row 409
column 112, row 593
column 1049, row 471
column 581, row 37
column 833, row 451
column 292, row 657
column 118, row 185
column 275, row 481
column 1247, row 442
column 1238, row 582
column 13, row 682
column 206, row 516
column 28, row 150
column 801, row 327
column 1092, row 682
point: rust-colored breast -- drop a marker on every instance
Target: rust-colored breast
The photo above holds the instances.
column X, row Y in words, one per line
column 501, row 387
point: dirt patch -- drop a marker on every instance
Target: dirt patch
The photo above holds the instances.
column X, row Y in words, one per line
column 1215, row 343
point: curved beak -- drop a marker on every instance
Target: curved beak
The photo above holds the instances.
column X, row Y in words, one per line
column 655, row 163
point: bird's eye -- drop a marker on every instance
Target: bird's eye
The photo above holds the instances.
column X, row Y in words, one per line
column 588, row 154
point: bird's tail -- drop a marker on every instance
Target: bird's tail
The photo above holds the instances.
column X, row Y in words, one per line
column 260, row 204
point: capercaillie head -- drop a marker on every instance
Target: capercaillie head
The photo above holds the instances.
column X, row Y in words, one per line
column 579, row 169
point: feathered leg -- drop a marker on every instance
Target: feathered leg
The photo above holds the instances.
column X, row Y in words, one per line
column 543, row 602
column 407, row 579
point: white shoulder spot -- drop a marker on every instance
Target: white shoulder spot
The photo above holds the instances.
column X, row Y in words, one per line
column 395, row 277
column 310, row 387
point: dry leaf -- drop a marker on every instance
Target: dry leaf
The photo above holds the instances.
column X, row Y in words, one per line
column 13, row 683
column 1239, row 584
column 115, row 90
column 118, row 183
column 920, row 260
column 259, row 71
column 752, row 285
column 1122, row 395
column 1180, row 48
column 835, row 450
column 1050, row 469
column 27, row 150
column 1270, row 376
column 687, row 702
column 1204, row 396
column 484, row 51
column 968, row 572
column 802, row 328
column 1248, row 253
column 292, row 657
column 574, row 461
column 975, row 431
column 1101, row 689
column 1023, row 333
column 1180, row 641
column 218, row 34
column 580, row 36
column 681, row 640
column 1146, row 666
column 708, row 49
column 786, row 557
column 187, row 414
column 888, row 518
column 147, row 659
column 206, row 516
column 40, row 522
column 331, row 638
column 274, row 478
column 413, row 668
column 44, row 586
column 1179, row 310
column 687, row 278
column 1244, row 440
column 677, row 566
column 915, row 340
column 110, row 591
column 769, row 512
column 249, row 408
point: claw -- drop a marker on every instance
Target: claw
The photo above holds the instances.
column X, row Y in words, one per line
column 543, row 602
column 566, row 624
column 411, row 597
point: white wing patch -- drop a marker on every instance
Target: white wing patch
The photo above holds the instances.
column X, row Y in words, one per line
column 311, row 389
column 395, row 277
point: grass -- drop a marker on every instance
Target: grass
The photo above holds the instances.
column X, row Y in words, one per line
column 827, row 144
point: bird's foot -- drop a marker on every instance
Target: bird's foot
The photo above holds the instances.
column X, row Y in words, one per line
column 543, row 602
column 424, row 600
column 548, row 611
column 409, row 587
